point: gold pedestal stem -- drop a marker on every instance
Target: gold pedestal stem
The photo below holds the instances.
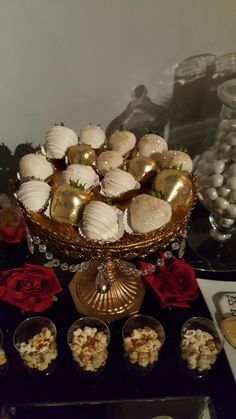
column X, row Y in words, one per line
column 110, row 266
column 106, row 292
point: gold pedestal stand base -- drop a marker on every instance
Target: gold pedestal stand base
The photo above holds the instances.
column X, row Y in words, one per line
column 123, row 297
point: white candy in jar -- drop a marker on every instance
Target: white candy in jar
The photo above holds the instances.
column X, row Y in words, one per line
column 208, row 155
column 234, row 154
column 226, row 177
column 221, row 203
column 227, row 222
column 232, row 169
column 209, row 203
column 205, row 181
column 211, row 193
column 223, row 191
column 220, row 136
column 218, row 211
column 232, row 124
column 218, row 166
column 231, row 211
column 231, row 138
column 207, row 168
column 199, row 166
column 225, row 151
column 217, row 180
column 216, row 170
column 224, row 124
column 231, row 182
column 232, row 196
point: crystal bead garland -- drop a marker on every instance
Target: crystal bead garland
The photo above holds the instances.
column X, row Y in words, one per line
column 33, row 241
column 152, row 267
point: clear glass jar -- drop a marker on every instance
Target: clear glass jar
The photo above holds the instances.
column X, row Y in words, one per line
column 192, row 122
column 227, row 94
column 216, row 170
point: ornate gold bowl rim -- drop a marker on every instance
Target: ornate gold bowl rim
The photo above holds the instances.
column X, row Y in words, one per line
column 67, row 240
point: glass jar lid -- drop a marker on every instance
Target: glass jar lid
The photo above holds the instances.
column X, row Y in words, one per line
column 227, row 92
column 194, row 66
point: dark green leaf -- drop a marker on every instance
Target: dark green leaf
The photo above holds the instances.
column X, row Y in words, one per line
column 61, row 124
column 156, row 194
column 77, row 184
column 49, row 264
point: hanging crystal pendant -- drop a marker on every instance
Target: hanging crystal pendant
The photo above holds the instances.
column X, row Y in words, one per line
column 102, row 282
column 182, row 247
column 30, row 242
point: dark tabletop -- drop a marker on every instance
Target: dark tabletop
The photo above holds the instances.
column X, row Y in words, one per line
column 66, row 386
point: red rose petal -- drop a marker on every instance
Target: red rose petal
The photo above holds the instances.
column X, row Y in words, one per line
column 30, row 288
column 174, row 283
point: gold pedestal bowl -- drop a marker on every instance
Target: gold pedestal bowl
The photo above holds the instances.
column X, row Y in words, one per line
column 111, row 286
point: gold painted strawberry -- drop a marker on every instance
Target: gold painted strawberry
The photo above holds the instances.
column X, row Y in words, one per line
column 68, row 203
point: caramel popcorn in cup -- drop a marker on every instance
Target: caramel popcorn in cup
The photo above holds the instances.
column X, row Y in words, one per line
column 35, row 341
column 3, row 358
column 39, row 351
column 200, row 345
column 142, row 346
column 198, row 349
column 143, row 337
column 88, row 339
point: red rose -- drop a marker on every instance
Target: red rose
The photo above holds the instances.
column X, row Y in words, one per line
column 30, row 288
column 12, row 225
column 174, row 283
